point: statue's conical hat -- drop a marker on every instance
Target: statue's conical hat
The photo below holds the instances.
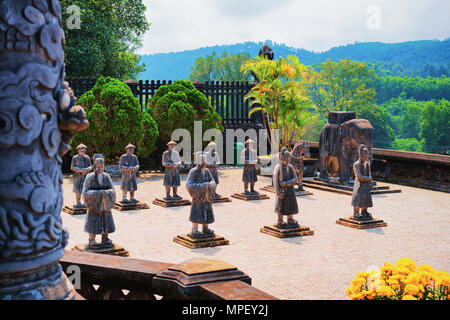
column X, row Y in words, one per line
column 130, row 146
column 81, row 146
column 171, row 142
column 98, row 156
column 249, row 141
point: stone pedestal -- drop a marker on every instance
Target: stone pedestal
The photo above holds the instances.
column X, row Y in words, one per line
column 203, row 241
column 75, row 210
column 361, row 223
column 221, row 199
column 109, row 248
column 287, row 231
column 183, row 281
column 130, row 206
column 246, row 197
column 171, row 203
column 270, row 188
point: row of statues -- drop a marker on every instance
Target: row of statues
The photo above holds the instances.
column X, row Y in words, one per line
column 98, row 192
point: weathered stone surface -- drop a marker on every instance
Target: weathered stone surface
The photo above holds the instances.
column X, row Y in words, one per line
column 338, row 253
column 74, row 211
column 171, row 203
column 347, row 189
column 203, row 242
column 250, row 197
column 220, row 199
column 37, row 117
column 288, row 231
column 112, row 249
column 361, row 223
column 270, row 188
column 130, row 206
column 339, row 144
column 186, row 278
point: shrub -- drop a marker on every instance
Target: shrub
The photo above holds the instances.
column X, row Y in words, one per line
column 408, row 144
column 404, row 281
column 115, row 119
column 178, row 105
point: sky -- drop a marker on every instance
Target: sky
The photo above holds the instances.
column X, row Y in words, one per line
column 315, row 25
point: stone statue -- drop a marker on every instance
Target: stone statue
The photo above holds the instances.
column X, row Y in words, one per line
column 300, row 151
column 212, row 162
column 361, row 198
column 171, row 161
column 339, row 143
column 201, row 186
column 99, row 196
column 248, row 158
column 129, row 165
column 38, row 111
column 81, row 166
column 284, row 179
column 266, row 51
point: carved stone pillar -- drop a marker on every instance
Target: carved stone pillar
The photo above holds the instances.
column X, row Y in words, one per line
column 37, row 113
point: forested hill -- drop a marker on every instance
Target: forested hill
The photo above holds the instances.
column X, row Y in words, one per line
column 421, row 58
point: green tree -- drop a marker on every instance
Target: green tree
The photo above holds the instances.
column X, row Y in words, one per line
column 227, row 67
column 105, row 44
column 342, row 86
column 281, row 95
column 204, row 69
column 408, row 144
column 435, row 126
column 115, row 119
column 410, row 127
column 380, row 119
column 178, row 105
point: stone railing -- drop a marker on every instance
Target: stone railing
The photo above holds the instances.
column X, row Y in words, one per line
column 423, row 170
column 106, row 277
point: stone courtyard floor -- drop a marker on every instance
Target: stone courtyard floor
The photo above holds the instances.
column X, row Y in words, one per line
column 313, row 267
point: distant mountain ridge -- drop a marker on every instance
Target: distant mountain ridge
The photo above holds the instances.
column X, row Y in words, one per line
column 411, row 56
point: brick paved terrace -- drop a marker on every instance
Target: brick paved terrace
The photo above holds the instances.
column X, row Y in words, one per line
column 313, row 267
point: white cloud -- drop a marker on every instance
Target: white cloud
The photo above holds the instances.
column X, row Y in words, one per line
column 314, row 25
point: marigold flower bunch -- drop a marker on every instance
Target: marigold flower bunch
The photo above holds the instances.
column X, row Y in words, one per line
column 403, row 281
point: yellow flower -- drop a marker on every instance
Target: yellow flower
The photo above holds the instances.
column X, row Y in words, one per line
column 394, row 284
column 358, row 281
column 425, row 267
column 358, row 296
column 407, row 263
column 408, row 297
column 396, row 277
column 388, row 268
column 385, row 291
column 442, row 278
column 411, row 289
column 401, row 270
column 413, row 278
column 425, row 277
column 362, row 275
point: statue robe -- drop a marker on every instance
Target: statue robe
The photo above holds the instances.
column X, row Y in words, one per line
column 284, row 179
column 248, row 158
column 361, row 196
column 213, row 160
column 201, row 186
column 99, row 199
column 129, row 178
column 78, row 165
column 172, row 175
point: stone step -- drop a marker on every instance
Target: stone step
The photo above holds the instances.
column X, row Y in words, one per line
column 320, row 185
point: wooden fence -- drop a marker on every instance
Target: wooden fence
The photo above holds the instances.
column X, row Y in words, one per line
column 226, row 96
